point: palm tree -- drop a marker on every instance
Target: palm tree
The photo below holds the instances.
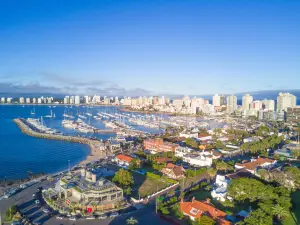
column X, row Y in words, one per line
column 132, row 221
column 279, row 211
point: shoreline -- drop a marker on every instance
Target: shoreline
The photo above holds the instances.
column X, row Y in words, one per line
column 97, row 148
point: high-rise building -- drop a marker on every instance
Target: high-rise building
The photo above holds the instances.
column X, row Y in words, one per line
column 3, row 100
column 9, row 100
column 21, row 100
column 285, row 100
column 66, row 100
column 39, row 100
column 256, row 105
column 231, row 104
column 246, row 101
column 186, row 101
column 77, row 100
column 268, row 105
column 216, row 100
column 34, row 100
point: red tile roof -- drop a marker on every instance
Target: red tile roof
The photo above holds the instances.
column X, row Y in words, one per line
column 254, row 164
column 196, row 209
column 124, row 158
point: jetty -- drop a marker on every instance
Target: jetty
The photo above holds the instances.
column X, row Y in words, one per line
column 22, row 124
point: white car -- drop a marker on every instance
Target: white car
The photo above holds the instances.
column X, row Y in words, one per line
column 90, row 218
column 73, row 218
column 114, row 214
column 102, row 216
column 60, row 217
column 46, row 210
column 37, row 202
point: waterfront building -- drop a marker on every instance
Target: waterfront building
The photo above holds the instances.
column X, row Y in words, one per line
column 49, row 100
column 39, row 101
column 293, row 114
column 3, row 100
column 231, row 104
column 66, row 100
column 21, row 100
column 86, row 99
column 268, row 105
column 96, row 99
column 195, row 209
column 90, row 191
column 9, row 100
column 34, row 100
column 246, row 101
column 77, row 100
column 178, row 103
column 285, row 100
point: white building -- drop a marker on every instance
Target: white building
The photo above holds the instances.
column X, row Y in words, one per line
column 3, row 100
column 66, row 100
column 181, row 151
column 268, row 105
column 34, row 100
column 77, row 100
column 285, row 100
column 9, row 100
column 216, row 100
column 203, row 159
column 231, row 104
column 21, row 100
column 219, row 191
column 246, row 102
column 257, row 105
column 39, row 100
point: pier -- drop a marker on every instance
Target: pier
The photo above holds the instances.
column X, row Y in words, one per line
column 27, row 130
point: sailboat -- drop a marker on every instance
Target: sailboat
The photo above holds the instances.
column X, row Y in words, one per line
column 32, row 112
column 52, row 115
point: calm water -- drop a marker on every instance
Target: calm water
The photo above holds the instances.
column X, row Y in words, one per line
column 20, row 153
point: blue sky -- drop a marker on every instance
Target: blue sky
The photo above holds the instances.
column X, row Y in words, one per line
column 149, row 47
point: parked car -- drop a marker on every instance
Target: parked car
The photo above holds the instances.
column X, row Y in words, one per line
column 90, row 218
column 46, row 210
column 37, row 202
column 60, row 217
column 73, row 218
column 102, row 216
column 114, row 214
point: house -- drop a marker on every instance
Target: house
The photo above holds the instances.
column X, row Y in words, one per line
column 250, row 139
column 162, row 160
column 188, row 134
column 173, row 171
column 123, row 160
column 181, row 151
column 204, row 137
column 195, row 209
column 256, row 164
column 203, row 159
column 219, row 191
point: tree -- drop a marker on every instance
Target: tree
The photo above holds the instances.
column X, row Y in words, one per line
column 223, row 166
column 205, row 220
column 132, row 221
column 11, row 211
column 279, row 211
column 258, row 217
column 124, row 178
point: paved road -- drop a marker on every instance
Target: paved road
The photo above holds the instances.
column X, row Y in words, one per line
column 24, row 199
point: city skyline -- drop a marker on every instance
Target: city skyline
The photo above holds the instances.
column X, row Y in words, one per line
column 135, row 48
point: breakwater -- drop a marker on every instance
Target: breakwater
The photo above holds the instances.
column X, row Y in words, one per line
column 27, row 130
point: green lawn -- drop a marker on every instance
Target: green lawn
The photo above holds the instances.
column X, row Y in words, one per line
column 294, row 219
